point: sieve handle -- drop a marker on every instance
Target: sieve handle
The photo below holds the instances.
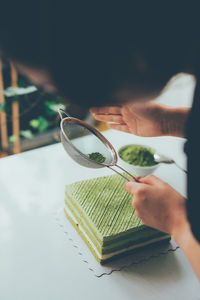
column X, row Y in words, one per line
column 62, row 112
column 181, row 168
column 124, row 172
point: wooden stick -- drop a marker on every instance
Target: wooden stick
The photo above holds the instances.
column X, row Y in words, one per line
column 3, row 121
column 15, row 112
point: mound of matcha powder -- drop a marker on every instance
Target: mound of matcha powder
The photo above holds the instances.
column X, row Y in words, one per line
column 98, row 157
column 137, row 155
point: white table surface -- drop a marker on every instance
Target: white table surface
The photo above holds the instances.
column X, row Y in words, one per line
column 36, row 259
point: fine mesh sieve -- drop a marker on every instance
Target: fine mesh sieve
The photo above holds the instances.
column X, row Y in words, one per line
column 80, row 149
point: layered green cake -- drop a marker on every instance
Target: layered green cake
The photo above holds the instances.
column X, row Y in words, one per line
column 100, row 210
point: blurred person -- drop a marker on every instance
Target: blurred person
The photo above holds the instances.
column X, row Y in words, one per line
column 116, row 57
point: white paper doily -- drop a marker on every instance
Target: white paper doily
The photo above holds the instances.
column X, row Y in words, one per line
column 84, row 254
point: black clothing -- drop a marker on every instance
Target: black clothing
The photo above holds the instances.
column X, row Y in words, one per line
column 192, row 149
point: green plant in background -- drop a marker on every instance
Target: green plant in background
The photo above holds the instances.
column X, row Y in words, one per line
column 52, row 106
column 12, row 138
column 2, row 106
column 26, row 134
column 19, row 91
column 41, row 124
column 23, row 133
column 36, row 113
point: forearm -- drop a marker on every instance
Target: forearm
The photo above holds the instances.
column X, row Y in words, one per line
column 173, row 123
column 190, row 246
column 161, row 207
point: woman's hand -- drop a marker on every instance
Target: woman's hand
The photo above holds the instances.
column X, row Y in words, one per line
column 157, row 204
column 144, row 118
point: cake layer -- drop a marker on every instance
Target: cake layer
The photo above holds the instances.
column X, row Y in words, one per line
column 106, row 239
column 104, row 258
column 100, row 209
column 117, row 244
column 106, row 206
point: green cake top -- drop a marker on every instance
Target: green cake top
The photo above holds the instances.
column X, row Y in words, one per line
column 105, row 204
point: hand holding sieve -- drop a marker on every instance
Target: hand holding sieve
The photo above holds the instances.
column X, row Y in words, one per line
column 79, row 149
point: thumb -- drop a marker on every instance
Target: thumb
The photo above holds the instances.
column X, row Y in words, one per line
column 131, row 186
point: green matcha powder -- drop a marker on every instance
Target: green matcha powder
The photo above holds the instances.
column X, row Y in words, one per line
column 137, row 155
column 96, row 156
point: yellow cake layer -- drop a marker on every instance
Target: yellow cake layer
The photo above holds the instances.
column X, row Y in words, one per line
column 103, row 258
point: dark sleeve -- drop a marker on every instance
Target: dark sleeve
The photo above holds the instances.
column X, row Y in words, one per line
column 192, row 150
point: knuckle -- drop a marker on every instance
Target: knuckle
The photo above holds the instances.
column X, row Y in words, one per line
column 150, row 177
column 124, row 109
column 140, row 192
column 138, row 214
column 135, row 204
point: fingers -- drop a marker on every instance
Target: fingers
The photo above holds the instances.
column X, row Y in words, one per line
column 139, row 192
column 150, row 179
column 112, row 115
column 116, row 110
column 109, row 118
column 132, row 186
column 120, row 127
